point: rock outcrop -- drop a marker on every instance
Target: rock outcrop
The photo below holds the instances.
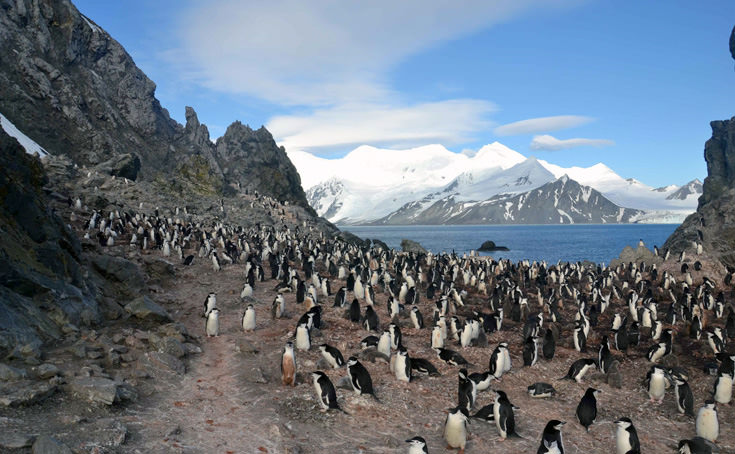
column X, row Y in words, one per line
column 69, row 86
column 41, row 261
column 713, row 225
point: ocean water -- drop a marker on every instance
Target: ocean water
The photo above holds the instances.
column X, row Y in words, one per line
column 599, row 243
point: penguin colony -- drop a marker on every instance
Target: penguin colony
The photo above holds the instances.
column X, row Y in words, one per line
column 520, row 314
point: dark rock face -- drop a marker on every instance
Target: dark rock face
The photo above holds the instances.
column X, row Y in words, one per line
column 251, row 160
column 713, row 225
column 41, row 258
column 491, row 246
column 72, row 88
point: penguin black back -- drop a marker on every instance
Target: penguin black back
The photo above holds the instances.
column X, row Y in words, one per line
column 587, row 408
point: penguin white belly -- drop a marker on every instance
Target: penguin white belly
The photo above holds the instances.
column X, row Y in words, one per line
column 455, row 432
column 384, row 345
column 723, row 390
column 302, row 338
column 496, row 418
column 400, row 368
column 622, row 441
column 437, row 339
column 213, row 325
column 707, row 425
column 248, row 321
column 506, row 360
column 657, row 387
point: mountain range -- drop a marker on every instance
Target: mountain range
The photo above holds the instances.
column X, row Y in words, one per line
column 432, row 185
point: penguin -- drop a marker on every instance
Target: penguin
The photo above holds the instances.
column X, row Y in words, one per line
column 620, row 336
column 722, row 393
column 541, row 390
column 384, row 344
column 402, row 366
column 503, row 415
column 580, row 338
column 450, row 357
column 579, row 368
column 466, row 391
column 278, row 307
column 486, row 414
column 215, row 262
column 656, row 352
column 371, row 319
column 604, row 357
column 209, row 303
column 424, row 366
column 437, row 337
column 549, row 345
column 417, row 445
column 482, row 380
column 332, row 355
column 530, row 351
column 368, row 342
column 455, row 429
column 697, row 445
column 715, row 342
column 340, row 299
column 248, row 319
column 416, row 318
column 707, row 425
column 247, row 291
column 548, row 447
column 497, row 362
column 288, row 365
column 395, row 336
column 626, row 437
column 360, row 377
column 212, row 325
column 550, row 436
column 325, row 392
column 303, row 337
column 684, row 397
column 354, row 312
column 587, row 408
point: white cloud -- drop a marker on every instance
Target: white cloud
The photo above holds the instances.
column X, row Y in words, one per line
column 541, row 124
column 447, row 122
column 551, row 143
column 322, row 52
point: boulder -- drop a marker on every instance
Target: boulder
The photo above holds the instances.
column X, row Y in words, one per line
column 488, row 246
column 156, row 363
column 126, row 165
column 144, row 308
column 121, row 278
column 46, row 371
column 94, row 389
column 8, row 373
column 11, row 441
column 24, row 392
column 412, row 246
column 49, row 445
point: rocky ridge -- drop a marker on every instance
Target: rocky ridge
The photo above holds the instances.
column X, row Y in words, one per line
column 68, row 85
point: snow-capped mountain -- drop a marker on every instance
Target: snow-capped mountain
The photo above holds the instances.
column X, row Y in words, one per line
column 562, row 201
column 369, row 183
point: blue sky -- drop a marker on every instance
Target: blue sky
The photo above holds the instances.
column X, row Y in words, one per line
column 633, row 84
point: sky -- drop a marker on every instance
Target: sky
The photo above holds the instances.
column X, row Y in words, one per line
column 630, row 83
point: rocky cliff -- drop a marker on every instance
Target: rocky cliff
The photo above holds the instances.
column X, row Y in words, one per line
column 43, row 291
column 713, row 225
column 72, row 88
